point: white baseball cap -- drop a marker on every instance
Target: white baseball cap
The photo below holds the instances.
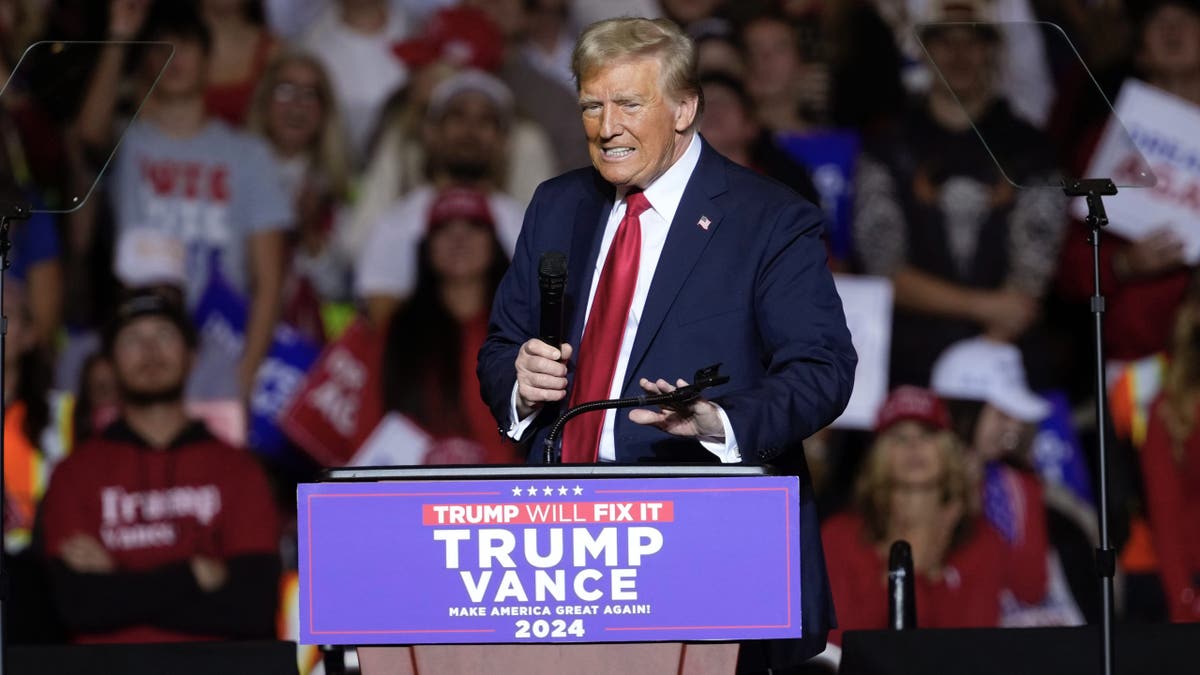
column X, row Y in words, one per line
column 980, row 369
column 471, row 80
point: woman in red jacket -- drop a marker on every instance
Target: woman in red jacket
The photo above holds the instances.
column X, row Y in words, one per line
column 916, row 486
column 1171, row 466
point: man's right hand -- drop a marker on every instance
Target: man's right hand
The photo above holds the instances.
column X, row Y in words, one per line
column 1006, row 314
column 1159, row 252
column 85, row 554
column 541, row 375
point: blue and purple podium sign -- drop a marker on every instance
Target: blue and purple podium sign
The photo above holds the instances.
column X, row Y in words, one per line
column 550, row 559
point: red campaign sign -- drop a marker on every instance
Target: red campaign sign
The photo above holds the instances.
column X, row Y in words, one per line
column 340, row 401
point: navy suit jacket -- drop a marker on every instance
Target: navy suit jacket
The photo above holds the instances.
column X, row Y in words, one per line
column 751, row 291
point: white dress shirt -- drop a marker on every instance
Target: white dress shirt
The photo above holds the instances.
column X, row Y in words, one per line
column 664, row 195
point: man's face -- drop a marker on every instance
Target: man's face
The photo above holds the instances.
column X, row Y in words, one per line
column 726, row 124
column 772, row 59
column 1171, row 42
column 151, row 359
column 461, row 250
column 635, row 131
column 469, row 137
column 185, row 74
column 296, row 109
column 966, row 60
column 687, row 11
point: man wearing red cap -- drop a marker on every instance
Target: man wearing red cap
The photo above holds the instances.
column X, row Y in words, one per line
column 468, row 122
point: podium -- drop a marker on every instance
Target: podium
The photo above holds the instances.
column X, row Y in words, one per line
column 588, row 569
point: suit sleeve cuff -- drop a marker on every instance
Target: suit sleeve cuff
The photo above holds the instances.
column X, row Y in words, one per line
column 516, row 427
column 725, row 449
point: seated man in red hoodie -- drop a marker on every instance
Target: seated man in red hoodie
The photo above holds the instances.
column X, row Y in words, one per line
column 155, row 530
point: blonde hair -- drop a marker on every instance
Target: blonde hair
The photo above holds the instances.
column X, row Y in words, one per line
column 873, row 490
column 615, row 39
column 329, row 154
column 1181, row 384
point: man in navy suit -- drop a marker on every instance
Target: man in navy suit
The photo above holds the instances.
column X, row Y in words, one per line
column 677, row 259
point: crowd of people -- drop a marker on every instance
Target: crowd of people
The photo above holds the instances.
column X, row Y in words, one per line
column 337, row 171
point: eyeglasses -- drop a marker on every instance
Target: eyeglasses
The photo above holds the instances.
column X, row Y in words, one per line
column 290, row 92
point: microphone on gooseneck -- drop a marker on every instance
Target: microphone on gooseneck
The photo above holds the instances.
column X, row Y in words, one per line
column 902, row 598
column 552, row 279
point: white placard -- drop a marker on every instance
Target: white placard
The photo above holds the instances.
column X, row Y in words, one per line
column 396, row 441
column 225, row 418
column 867, row 302
column 1166, row 130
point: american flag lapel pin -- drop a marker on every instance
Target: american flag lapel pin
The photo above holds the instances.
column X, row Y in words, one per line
column 704, row 222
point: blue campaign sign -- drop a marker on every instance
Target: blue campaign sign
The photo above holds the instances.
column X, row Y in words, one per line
column 1057, row 452
column 831, row 157
column 549, row 560
column 279, row 379
column 220, row 318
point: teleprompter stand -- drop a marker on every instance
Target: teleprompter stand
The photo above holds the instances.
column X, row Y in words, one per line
column 1093, row 190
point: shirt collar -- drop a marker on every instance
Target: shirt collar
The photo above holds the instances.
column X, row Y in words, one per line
column 120, row 431
column 665, row 193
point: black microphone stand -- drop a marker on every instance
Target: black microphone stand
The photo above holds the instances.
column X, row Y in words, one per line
column 705, row 378
column 1094, row 190
column 8, row 214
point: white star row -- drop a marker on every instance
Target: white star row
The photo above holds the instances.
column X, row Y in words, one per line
column 546, row 491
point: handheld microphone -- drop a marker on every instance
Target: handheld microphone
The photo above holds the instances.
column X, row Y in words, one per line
column 902, row 598
column 552, row 279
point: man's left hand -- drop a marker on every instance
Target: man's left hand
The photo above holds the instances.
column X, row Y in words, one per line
column 698, row 419
column 210, row 573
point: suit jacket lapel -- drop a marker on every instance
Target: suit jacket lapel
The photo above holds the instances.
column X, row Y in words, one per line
column 587, row 233
column 686, row 240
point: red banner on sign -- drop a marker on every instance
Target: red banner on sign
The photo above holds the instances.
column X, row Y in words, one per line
column 340, row 402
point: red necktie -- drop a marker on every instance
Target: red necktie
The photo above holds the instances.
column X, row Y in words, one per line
column 601, row 344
